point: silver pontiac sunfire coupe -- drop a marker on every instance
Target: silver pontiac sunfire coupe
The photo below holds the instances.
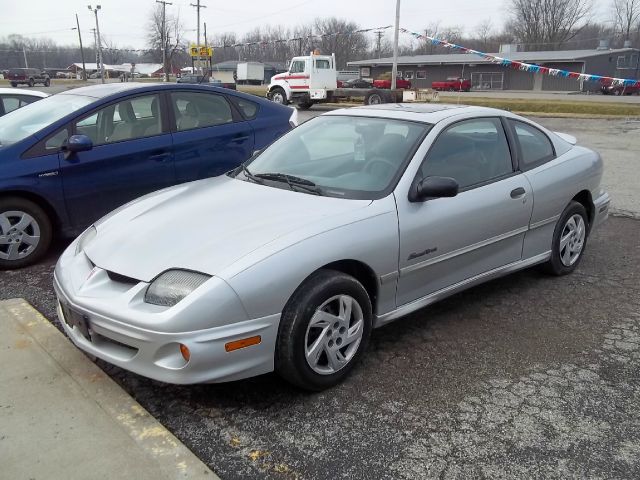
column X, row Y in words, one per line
column 348, row 222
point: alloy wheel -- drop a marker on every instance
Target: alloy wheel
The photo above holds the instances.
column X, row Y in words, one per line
column 334, row 334
column 19, row 235
column 572, row 240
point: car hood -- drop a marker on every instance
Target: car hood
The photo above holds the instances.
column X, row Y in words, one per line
column 206, row 226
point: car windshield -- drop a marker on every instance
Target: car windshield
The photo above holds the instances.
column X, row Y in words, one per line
column 26, row 121
column 350, row 157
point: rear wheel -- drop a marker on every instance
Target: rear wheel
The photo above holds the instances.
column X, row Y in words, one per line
column 278, row 95
column 324, row 330
column 374, row 97
column 616, row 93
column 569, row 240
column 25, row 232
column 14, row 84
column 47, row 82
column 31, row 82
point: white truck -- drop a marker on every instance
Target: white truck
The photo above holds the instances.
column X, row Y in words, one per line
column 313, row 79
column 250, row 73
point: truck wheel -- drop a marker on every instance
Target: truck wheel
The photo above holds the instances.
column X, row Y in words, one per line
column 374, row 97
column 31, row 82
column 278, row 95
column 304, row 105
column 47, row 82
column 14, row 84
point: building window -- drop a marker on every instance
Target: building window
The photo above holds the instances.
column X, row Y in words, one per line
column 627, row 61
column 487, row 81
column 399, row 74
column 421, row 74
column 365, row 72
column 408, row 75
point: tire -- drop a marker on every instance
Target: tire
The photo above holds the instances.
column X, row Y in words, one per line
column 47, row 82
column 301, row 331
column 31, row 82
column 278, row 95
column 14, row 84
column 374, row 97
column 304, row 105
column 616, row 93
column 32, row 239
column 565, row 259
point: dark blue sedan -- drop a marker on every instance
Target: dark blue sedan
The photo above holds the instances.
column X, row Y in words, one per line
column 68, row 159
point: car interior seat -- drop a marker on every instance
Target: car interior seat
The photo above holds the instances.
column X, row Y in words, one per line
column 190, row 117
column 127, row 127
column 155, row 127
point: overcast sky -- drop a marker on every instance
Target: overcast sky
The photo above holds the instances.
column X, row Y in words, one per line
column 124, row 21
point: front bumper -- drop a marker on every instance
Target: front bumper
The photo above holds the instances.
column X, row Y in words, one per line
column 157, row 354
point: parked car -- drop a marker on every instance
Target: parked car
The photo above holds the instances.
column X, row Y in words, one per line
column 453, row 84
column 348, row 222
column 70, row 158
column 28, row 76
column 11, row 99
column 204, row 80
column 386, row 84
column 620, row 90
column 358, row 83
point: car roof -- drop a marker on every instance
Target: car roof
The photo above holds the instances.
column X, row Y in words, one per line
column 109, row 89
column 22, row 91
column 417, row 112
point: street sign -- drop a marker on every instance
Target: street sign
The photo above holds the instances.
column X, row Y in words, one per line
column 200, row 51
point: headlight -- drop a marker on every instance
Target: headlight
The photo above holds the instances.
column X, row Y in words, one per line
column 86, row 238
column 172, row 286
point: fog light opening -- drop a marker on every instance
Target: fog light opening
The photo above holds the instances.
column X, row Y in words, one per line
column 184, row 350
column 243, row 343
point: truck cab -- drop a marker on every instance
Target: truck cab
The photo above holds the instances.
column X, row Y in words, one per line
column 310, row 79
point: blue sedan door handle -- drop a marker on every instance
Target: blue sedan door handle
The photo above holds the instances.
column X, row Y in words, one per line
column 240, row 138
column 518, row 192
column 160, row 156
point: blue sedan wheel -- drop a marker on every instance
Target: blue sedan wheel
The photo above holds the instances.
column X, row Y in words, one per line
column 25, row 232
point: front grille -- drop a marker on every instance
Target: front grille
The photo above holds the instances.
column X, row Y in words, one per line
column 116, row 277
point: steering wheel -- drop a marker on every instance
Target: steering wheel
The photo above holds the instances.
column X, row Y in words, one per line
column 387, row 165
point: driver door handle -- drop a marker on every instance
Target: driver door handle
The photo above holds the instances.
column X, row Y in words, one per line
column 518, row 192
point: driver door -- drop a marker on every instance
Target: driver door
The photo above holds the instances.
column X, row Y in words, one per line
column 446, row 241
column 298, row 77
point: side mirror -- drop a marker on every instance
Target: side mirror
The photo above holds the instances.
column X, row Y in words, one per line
column 78, row 143
column 433, row 187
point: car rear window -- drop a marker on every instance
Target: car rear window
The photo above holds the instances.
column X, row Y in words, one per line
column 249, row 109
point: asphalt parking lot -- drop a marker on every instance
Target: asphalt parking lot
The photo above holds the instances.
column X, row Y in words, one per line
column 525, row 377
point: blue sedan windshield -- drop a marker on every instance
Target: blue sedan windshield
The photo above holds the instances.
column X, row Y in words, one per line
column 32, row 118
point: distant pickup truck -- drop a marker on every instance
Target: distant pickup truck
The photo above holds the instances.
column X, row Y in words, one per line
column 452, row 84
column 386, row 84
column 620, row 90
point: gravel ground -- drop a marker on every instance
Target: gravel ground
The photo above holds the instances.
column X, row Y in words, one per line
column 525, row 377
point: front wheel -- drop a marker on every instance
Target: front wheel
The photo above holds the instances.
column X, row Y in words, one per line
column 31, row 82
column 47, row 82
column 25, row 232
column 14, row 84
column 324, row 330
column 278, row 95
column 569, row 240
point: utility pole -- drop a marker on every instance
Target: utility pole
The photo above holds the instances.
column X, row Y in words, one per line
column 84, row 68
column 198, row 7
column 163, row 39
column 206, row 45
column 24, row 52
column 95, row 11
column 378, row 42
column 394, row 70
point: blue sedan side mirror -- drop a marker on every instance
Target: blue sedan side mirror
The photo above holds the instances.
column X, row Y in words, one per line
column 78, row 143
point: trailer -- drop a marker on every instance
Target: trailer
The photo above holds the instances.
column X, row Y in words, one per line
column 313, row 79
column 250, row 73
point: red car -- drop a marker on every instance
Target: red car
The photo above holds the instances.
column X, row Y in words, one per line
column 400, row 83
column 452, row 84
column 620, row 90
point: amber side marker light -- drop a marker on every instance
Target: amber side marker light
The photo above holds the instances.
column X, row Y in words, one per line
column 245, row 342
column 184, row 350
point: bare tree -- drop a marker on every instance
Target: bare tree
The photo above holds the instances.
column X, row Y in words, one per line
column 484, row 31
column 173, row 36
column 547, row 24
column 626, row 16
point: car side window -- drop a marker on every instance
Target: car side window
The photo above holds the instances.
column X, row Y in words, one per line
column 535, row 146
column 55, row 141
column 10, row 104
column 297, row 66
column 472, row 152
column 199, row 110
column 249, row 109
column 129, row 119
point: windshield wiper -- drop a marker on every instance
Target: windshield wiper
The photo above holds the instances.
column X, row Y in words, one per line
column 250, row 175
column 293, row 182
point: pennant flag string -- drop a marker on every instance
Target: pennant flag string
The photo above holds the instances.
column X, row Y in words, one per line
column 527, row 67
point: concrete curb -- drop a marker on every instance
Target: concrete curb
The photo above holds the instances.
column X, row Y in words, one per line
column 158, row 445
